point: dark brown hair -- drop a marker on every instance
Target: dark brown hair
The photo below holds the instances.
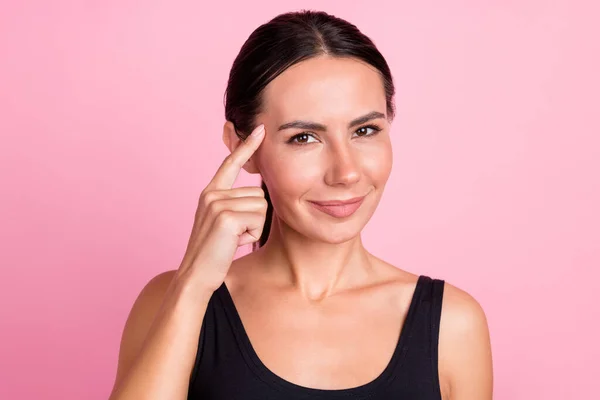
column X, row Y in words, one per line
column 280, row 43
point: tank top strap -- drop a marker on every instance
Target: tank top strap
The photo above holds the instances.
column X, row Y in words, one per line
column 437, row 294
column 421, row 347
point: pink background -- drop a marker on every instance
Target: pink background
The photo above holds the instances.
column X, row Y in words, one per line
column 111, row 115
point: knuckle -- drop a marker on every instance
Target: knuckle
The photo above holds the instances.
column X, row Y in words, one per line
column 202, row 195
column 264, row 204
column 212, row 197
column 213, row 207
column 207, row 198
column 230, row 160
column 225, row 218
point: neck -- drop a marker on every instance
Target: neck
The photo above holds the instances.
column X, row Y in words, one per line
column 315, row 268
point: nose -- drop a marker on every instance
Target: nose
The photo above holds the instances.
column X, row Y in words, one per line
column 344, row 167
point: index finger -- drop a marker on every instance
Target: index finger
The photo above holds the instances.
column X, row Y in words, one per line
column 230, row 168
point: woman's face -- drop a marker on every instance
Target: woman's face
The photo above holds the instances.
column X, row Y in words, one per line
column 337, row 161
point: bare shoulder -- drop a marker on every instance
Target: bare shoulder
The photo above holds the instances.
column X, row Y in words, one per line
column 147, row 303
column 461, row 311
column 140, row 319
column 156, row 287
column 465, row 358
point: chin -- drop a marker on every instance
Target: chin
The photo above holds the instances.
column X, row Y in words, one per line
column 342, row 239
column 334, row 233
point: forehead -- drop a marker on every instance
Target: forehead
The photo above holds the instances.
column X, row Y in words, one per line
column 325, row 88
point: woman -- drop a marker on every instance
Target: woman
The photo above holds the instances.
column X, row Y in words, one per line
column 310, row 313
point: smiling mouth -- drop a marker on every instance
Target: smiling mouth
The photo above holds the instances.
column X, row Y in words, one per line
column 339, row 208
column 338, row 202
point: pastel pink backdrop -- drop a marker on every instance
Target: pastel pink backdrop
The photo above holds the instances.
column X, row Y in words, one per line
column 111, row 116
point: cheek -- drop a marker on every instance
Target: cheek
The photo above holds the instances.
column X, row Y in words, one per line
column 291, row 173
column 377, row 162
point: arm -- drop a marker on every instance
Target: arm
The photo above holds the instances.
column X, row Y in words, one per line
column 160, row 339
column 465, row 357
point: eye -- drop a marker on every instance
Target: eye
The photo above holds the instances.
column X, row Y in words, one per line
column 302, row 138
column 362, row 131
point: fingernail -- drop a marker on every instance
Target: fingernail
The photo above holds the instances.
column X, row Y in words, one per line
column 259, row 131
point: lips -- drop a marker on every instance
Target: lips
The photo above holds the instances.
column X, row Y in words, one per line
column 339, row 208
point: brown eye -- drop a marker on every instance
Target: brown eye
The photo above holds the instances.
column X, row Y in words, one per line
column 301, row 138
column 363, row 131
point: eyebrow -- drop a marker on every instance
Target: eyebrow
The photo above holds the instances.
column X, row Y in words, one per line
column 314, row 126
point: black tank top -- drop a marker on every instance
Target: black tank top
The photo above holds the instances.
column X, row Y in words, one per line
column 228, row 368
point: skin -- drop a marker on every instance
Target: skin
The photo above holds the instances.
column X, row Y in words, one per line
column 313, row 294
column 319, row 309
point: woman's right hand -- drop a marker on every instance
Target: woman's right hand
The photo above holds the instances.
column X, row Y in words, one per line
column 225, row 219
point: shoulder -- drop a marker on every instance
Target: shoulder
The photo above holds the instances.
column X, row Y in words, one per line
column 146, row 305
column 465, row 359
column 140, row 318
column 148, row 300
column 156, row 287
column 462, row 313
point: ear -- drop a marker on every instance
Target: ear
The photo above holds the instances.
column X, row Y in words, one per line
column 232, row 141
